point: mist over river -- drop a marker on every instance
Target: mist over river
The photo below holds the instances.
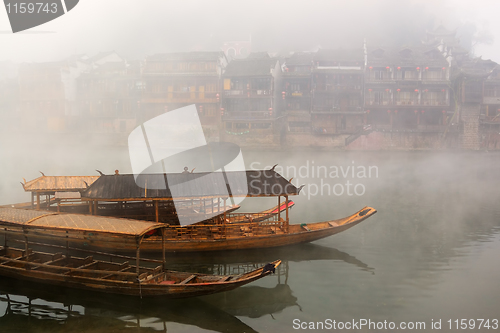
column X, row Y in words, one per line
column 430, row 254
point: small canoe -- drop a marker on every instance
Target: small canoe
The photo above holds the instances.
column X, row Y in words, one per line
column 117, row 278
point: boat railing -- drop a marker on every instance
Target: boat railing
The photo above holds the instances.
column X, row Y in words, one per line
column 228, row 230
column 247, row 217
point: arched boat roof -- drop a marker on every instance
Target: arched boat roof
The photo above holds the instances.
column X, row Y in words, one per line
column 250, row 183
column 75, row 222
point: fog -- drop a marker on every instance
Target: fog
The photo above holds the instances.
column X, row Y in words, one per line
column 135, row 29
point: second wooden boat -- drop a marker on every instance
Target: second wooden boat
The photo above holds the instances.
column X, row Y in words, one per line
column 116, row 275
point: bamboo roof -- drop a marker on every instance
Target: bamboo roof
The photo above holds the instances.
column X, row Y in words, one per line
column 75, row 222
column 59, row 183
column 252, row 183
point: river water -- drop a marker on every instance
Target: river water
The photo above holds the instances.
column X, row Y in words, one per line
column 430, row 255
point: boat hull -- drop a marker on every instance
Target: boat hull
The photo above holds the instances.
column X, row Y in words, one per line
column 180, row 284
column 193, row 240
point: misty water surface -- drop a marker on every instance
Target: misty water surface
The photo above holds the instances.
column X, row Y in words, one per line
column 430, row 253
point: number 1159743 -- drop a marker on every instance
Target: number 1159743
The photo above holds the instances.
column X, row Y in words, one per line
column 30, row 7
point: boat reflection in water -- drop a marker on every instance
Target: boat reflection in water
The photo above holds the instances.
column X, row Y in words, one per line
column 257, row 301
column 38, row 308
column 25, row 307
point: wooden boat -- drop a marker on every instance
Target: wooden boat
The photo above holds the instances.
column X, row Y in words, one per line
column 108, row 276
column 236, row 236
column 251, row 235
column 31, row 307
column 224, row 231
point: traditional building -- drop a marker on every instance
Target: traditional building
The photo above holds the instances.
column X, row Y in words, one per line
column 337, row 94
column 174, row 80
column 407, row 89
column 297, row 92
column 47, row 94
column 490, row 117
column 473, row 106
column 9, row 103
column 250, row 101
column 109, row 97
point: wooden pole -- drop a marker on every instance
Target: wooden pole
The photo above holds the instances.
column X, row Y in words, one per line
column 163, row 247
column 279, row 206
column 26, row 246
column 287, row 221
column 224, row 229
column 32, row 200
column 156, row 211
column 37, row 201
column 95, row 206
column 67, row 244
column 137, row 256
column 90, row 206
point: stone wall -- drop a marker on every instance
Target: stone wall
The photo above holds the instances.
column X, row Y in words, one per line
column 309, row 140
column 469, row 136
column 255, row 138
column 397, row 141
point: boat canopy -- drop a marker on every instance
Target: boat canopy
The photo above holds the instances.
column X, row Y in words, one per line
column 59, row 183
column 127, row 187
column 75, row 222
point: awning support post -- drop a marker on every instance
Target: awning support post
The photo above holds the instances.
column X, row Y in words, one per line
column 279, row 207
column 137, row 255
column 156, row 211
column 138, row 241
column 287, row 220
column 163, row 247
column 26, row 247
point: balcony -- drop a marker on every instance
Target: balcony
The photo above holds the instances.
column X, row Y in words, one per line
column 435, row 80
column 435, row 102
column 409, row 77
column 180, row 97
column 379, row 103
column 373, row 79
column 407, row 102
column 336, row 109
column 298, row 93
column 248, row 115
column 337, row 88
column 491, row 100
column 248, row 93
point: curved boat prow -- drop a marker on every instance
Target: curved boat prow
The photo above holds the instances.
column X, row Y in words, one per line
column 363, row 214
